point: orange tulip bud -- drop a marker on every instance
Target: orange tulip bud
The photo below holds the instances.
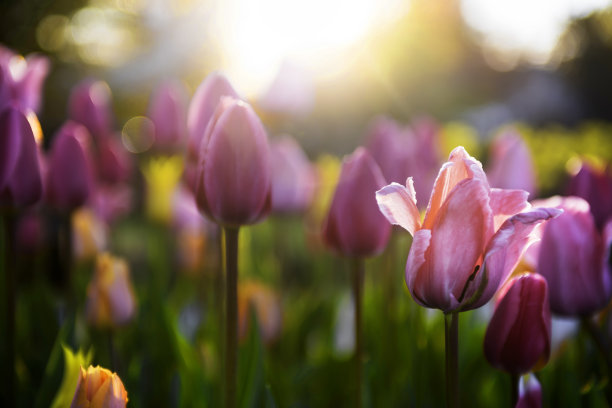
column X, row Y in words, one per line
column 99, row 388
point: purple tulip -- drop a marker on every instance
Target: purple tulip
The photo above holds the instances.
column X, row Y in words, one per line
column 21, row 80
column 390, row 147
column 90, row 105
column 574, row 258
column 20, row 179
column 511, row 166
column 354, row 226
column 595, row 186
column 293, row 177
column 69, row 178
column 113, row 161
column 530, row 392
column 518, row 336
column 233, row 177
column 167, row 110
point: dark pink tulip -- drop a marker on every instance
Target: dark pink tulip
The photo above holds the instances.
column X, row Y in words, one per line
column 113, row 161
column 574, row 258
column 354, row 226
column 530, row 392
column 472, row 236
column 389, row 146
column 90, row 105
column 293, row 177
column 20, row 179
column 510, row 163
column 168, row 112
column 21, row 80
column 69, row 177
column 595, row 186
column 233, row 177
column 518, row 336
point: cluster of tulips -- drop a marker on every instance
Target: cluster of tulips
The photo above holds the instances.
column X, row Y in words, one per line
column 480, row 240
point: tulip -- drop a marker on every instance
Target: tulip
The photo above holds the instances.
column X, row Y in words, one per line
column 233, row 185
column 260, row 299
column 389, row 146
column 518, row 336
column 574, row 258
column 69, row 179
column 472, row 236
column 595, row 186
column 424, row 137
column 354, row 226
column 30, row 232
column 21, row 79
column 113, row 161
column 511, row 165
column 90, row 105
column 530, row 392
column 167, row 110
column 98, row 387
column 110, row 297
column 293, row 178
column 20, row 178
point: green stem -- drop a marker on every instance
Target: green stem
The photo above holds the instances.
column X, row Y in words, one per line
column 357, row 285
column 514, row 389
column 451, row 337
column 589, row 326
column 8, row 258
column 230, row 264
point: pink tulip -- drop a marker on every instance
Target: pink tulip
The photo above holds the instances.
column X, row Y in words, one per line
column 595, row 186
column 293, row 177
column 90, row 105
column 20, row 179
column 21, row 80
column 168, row 112
column 518, row 335
column 424, row 144
column 574, row 258
column 530, row 392
column 69, row 178
column 472, row 236
column 113, row 161
column 389, row 146
column 511, row 164
column 233, row 178
column 354, row 226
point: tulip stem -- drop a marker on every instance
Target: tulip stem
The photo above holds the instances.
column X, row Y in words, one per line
column 451, row 337
column 602, row 346
column 8, row 264
column 514, row 389
column 357, row 285
column 230, row 264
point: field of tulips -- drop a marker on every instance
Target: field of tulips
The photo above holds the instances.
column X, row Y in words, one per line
column 191, row 258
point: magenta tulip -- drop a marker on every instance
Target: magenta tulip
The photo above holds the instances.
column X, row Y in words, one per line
column 168, row 112
column 389, row 146
column 472, row 236
column 595, row 186
column 354, row 226
column 518, row 336
column 21, row 79
column 511, row 166
column 293, row 177
column 574, row 258
column 530, row 392
column 20, row 178
column 114, row 163
column 233, row 178
column 90, row 105
column 69, row 178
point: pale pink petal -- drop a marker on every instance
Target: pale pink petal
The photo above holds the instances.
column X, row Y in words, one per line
column 506, row 203
column 398, row 205
column 417, row 266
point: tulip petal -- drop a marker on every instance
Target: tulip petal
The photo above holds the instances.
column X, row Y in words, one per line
column 416, row 266
column 398, row 205
column 12, row 127
column 506, row 203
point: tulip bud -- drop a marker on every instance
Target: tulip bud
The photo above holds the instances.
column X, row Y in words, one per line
column 518, row 337
column 113, row 164
column 233, row 184
column 389, row 146
column 573, row 257
column 110, row 297
column 98, row 387
column 90, row 105
column 595, row 186
column 293, row 178
column 69, row 178
column 21, row 79
column 167, row 110
column 511, row 166
column 355, row 227
column 530, row 392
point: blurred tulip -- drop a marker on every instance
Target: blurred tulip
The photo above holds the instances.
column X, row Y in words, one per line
column 389, row 146
column 518, row 336
column 90, row 234
column 20, row 179
column 424, row 144
column 530, row 392
column 99, row 388
column 113, row 161
column 510, row 164
column 265, row 304
column 162, row 175
column 574, row 258
column 21, row 79
column 90, row 105
column 110, row 297
column 233, row 185
column 167, row 110
column 595, row 186
column 69, row 178
column 471, row 239
column 293, row 177
column 354, row 226
column 112, row 201
column 30, row 232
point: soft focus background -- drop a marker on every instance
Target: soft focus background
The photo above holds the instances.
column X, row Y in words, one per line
column 321, row 71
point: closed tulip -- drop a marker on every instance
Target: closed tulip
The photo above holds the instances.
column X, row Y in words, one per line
column 90, row 105
column 530, row 392
column 69, row 177
column 389, row 146
column 471, row 238
column 233, row 180
column 168, row 112
column 21, row 79
column 98, row 387
column 511, row 165
column 354, row 226
column 574, row 258
column 20, row 176
column 518, row 336
column 595, row 186
column 110, row 297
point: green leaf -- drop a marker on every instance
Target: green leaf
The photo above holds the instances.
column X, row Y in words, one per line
column 250, row 367
column 72, row 367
